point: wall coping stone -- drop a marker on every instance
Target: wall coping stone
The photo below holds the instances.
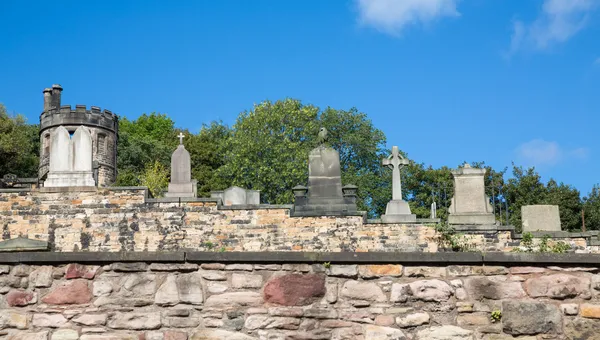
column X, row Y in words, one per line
column 15, row 190
column 68, row 189
column 254, row 206
column 406, row 258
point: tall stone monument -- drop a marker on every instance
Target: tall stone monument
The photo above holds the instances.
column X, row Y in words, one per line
column 325, row 194
column 470, row 205
column 397, row 210
column 181, row 184
column 70, row 159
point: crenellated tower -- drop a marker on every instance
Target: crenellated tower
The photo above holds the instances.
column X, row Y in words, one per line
column 103, row 126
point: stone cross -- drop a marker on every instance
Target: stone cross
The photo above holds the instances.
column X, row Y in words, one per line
column 180, row 136
column 395, row 161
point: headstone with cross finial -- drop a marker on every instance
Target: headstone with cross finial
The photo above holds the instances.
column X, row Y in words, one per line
column 181, row 184
column 470, row 205
column 397, row 210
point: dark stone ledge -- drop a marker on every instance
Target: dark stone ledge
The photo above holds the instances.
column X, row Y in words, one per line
column 90, row 257
column 405, row 258
column 541, row 259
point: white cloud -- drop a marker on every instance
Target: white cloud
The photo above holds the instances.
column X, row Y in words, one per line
column 539, row 152
column 392, row 16
column 558, row 21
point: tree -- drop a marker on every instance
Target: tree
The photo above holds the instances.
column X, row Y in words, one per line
column 524, row 188
column 156, row 177
column 268, row 149
column 19, row 145
column 569, row 204
column 591, row 208
column 207, row 155
column 143, row 141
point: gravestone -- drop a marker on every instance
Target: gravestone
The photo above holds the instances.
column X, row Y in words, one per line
column 236, row 196
column 181, row 183
column 540, row 218
column 470, row 205
column 70, row 159
column 397, row 210
column 325, row 194
column 433, row 213
column 23, row 244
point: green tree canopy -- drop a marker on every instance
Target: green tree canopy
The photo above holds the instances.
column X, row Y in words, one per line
column 19, row 145
column 268, row 149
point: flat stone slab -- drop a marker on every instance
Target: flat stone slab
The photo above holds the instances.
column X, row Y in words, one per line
column 23, row 244
column 540, row 218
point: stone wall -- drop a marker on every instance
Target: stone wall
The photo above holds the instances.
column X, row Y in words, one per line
column 124, row 219
column 415, row 297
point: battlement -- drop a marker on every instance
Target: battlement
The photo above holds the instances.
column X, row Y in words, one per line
column 79, row 115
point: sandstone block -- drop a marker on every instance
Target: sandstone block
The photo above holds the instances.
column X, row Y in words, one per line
column 43, row 335
column 167, row 294
column 234, row 299
column 4, row 269
column 219, row 334
column 41, row 276
column 473, row 319
column 375, row 271
column 65, row 334
column 261, row 321
column 447, row 332
column 343, row 270
column 246, row 280
column 368, row 291
column 526, row 270
column 400, row 292
column 70, row 292
column 20, row 298
column 482, row 287
column 212, row 266
column 239, row 266
column 530, row 318
column 129, row 267
column 581, row 328
column 422, row 271
column 91, row 319
column 558, row 286
column 380, row 320
column 413, row 320
column 189, row 287
column 138, row 284
column 213, row 275
column 135, row 321
column 21, row 270
column 373, row 332
column 431, row 290
column 216, row 288
column 569, row 308
column 48, row 320
column 175, row 335
column 489, row 270
column 267, row 267
column 173, row 267
column 79, row 271
column 13, row 319
column 102, row 288
column 294, row 289
column 590, row 311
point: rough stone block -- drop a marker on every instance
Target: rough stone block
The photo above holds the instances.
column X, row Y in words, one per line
column 530, row 318
column 540, row 218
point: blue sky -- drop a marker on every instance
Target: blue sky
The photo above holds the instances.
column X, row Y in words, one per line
column 446, row 80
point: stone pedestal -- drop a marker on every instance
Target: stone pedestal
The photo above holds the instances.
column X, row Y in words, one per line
column 324, row 195
column 470, row 205
column 398, row 211
column 70, row 179
column 540, row 218
column 181, row 184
